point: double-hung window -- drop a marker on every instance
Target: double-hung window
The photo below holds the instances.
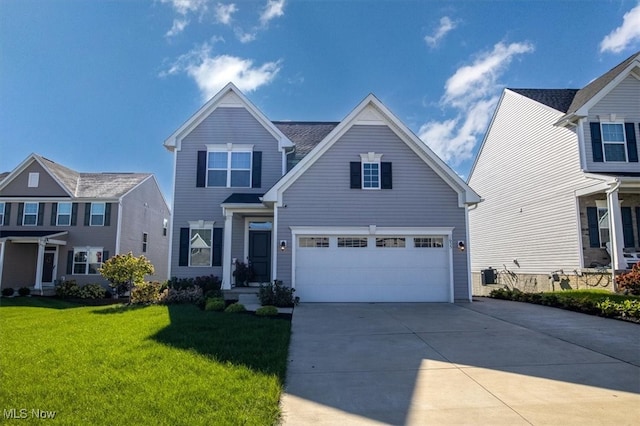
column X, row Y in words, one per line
column 603, row 223
column 2, row 213
column 370, row 175
column 614, row 142
column 30, row 215
column 200, row 245
column 229, row 168
column 63, row 214
column 97, row 214
column 87, row 260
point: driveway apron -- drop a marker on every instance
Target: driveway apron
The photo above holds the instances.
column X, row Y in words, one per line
column 487, row 362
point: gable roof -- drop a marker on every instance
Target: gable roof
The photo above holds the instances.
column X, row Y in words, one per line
column 594, row 91
column 372, row 111
column 558, row 99
column 82, row 185
column 305, row 135
column 229, row 96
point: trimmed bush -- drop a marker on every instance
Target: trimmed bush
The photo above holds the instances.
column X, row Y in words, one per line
column 234, row 308
column 186, row 295
column 24, row 291
column 7, row 292
column 276, row 294
column 267, row 311
column 146, row 292
column 92, row 291
column 629, row 282
column 68, row 289
column 214, row 304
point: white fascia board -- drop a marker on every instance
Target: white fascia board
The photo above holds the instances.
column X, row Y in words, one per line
column 370, row 230
column 174, row 141
column 584, row 109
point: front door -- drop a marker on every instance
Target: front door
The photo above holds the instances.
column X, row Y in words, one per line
column 48, row 265
column 260, row 255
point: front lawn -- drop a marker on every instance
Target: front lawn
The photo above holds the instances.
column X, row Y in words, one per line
column 163, row 365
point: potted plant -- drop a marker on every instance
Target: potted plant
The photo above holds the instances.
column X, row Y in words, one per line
column 243, row 274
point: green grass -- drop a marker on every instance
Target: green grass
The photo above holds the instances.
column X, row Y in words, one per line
column 163, row 365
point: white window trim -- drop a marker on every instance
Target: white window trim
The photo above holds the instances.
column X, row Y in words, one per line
column 34, row 180
column 201, row 224
column 86, row 263
column 24, row 214
column 91, row 214
column 2, row 210
column 230, row 148
column 623, row 143
column 70, row 213
column 370, row 158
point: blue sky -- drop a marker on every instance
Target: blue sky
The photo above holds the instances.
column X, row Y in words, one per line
column 99, row 85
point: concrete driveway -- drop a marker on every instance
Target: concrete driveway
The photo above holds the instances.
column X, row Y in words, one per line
column 488, row 362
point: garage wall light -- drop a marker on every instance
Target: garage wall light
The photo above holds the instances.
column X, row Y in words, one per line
column 461, row 245
column 283, row 245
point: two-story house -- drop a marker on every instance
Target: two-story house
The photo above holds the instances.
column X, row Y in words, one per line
column 360, row 210
column 58, row 224
column 559, row 174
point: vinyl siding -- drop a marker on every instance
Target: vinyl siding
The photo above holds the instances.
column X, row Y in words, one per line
column 624, row 101
column 419, row 198
column 526, row 172
column 47, row 186
column 144, row 210
column 223, row 125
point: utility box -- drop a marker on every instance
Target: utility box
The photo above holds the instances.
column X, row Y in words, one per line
column 488, row 276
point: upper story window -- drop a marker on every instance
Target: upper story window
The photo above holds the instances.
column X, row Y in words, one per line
column 63, row 214
column 370, row 172
column 370, row 175
column 30, row 215
column 34, row 180
column 229, row 169
column 614, row 142
column 2, row 213
column 97, row 214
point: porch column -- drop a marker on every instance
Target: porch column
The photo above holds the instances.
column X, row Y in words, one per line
column 39, row 265
column 226, row 250
column 615, row 230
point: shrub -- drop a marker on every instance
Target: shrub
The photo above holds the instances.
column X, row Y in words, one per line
column 146, row 292
column 108, row 294
column 68, row 289
column 243, row 273
column 91, row 291
column 267, row 311
column 235, row 307
column 210, row 284
column 215, row 304
column 626, row 308
column 629, row 282
column 276, row 294
column 7, row 292
column 125, row 270
column 186, row 295
column 24, row 291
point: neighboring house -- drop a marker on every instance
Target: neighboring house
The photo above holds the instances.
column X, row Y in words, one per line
column 359, row 210
column 559, row 174
column 58, row 224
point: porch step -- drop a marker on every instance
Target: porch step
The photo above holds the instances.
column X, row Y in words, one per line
column 248, row 299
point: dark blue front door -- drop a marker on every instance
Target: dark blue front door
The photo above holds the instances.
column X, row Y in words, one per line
column 260, row 254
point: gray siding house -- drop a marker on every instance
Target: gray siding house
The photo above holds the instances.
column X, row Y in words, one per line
column 559, row 174
column 359, row 210
column 58, row 224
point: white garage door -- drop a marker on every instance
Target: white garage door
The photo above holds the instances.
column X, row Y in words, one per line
column 348, row 268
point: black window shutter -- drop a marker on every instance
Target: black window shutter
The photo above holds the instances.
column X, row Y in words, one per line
column 201, row 173
column 594, row 232
column 105, row 255
column 596, row 142
column 183, row 259
column 386, row 181
column 7, row 213
column 355, row 170
column 217, row 246
column 70, row 262
column 107, row 214
column 40, row 214
column 632, row 146
column 20, row 214
column 627, row 227
column 638, row 221
column 87, row 213
column 54, row 214
column 74, row 214
column 256, row 171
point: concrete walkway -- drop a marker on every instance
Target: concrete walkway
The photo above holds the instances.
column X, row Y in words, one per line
column 488, row 362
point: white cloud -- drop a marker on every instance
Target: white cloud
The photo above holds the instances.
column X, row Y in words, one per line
column 245, row 37
column 446, row 25
column 178, row 26
column 212, row 73
column 473, row 91
column 183, row 8
column 273, row 9
column 618, row 40
column 224, row 12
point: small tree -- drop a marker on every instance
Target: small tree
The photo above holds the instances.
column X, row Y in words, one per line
column 123, row 271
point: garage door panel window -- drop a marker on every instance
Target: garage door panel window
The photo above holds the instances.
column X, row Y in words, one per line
column 391, row 242
column 315, row 242
column 428, row 242
column 352, row 242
